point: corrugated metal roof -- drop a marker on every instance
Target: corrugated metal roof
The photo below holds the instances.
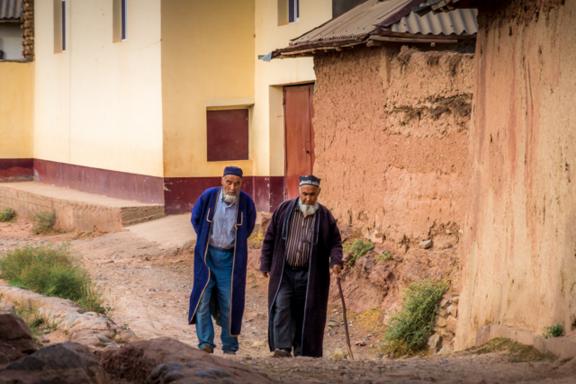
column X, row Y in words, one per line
column 385, row 20
column 10, row 10
column 457, row 22
column 359, row 21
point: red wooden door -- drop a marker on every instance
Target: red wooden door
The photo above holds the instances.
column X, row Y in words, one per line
column 299, row 136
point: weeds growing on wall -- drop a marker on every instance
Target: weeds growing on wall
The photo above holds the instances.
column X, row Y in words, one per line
column 555, row 330
column 44, row 222
column 357, row 249
column 385, row 256
column 50, row 271
column 7, row 214
column 408, row 331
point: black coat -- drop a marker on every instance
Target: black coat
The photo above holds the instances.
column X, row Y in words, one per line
column 326, row 252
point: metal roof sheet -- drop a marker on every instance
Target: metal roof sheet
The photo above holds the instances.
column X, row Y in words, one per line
column 359, row 21
column 385, row 19
column 10, row 10
column 456, row 22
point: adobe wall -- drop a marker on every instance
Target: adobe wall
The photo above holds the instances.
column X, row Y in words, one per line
column 519, row 241
column 391, row 141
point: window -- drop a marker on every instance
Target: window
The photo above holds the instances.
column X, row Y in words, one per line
column 288, row 11
column 119, row 20
column 227, row 134
column 59, row 25
column 341, row 6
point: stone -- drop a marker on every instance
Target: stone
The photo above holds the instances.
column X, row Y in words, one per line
column 441, row 322
column 65, row 363
column 166, row 360
column 435, row 342
column 442, row 241
column 380, row 275
column 451, row 322
column 426, row 244
column 15, row 338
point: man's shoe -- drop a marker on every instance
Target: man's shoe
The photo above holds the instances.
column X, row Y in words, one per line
column 207, row 348
column 229, row 352
column 279, row 352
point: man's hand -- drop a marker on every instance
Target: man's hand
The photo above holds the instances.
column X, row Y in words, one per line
column 265, row 274
column 336, row 269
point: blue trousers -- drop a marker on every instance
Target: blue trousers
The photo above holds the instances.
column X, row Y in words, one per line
column 220, row 264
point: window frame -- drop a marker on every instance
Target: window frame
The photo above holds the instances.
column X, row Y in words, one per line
column 119, row 20
column 60, row 24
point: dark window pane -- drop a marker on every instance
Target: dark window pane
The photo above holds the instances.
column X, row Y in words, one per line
column 63, row 25
column 123, row 19
column 292, row 10
column 341, row 6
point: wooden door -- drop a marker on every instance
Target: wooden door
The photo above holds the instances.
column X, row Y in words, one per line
column 299, row 136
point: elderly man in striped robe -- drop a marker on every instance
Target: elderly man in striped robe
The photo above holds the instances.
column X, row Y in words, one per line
column 301, row 247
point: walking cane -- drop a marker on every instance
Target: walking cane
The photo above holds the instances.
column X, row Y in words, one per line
column 345, row 319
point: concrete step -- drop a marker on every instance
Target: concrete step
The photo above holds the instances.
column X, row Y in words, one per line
column 75, row 210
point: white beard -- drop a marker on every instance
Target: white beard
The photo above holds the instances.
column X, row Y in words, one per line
column 229, row 198
column 307, row 210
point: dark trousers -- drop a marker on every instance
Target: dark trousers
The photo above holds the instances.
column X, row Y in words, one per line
column 289, row 309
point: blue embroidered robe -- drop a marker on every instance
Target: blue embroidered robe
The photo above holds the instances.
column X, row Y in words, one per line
column 202, row 217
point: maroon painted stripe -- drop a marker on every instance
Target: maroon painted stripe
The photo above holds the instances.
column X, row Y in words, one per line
column 176, row 193
column 16, row 169
column 123, row 185
column 182, row 192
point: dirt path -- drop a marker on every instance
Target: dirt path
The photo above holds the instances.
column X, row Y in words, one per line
column 147, row 288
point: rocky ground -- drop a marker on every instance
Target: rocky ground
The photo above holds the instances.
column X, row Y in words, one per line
column 146, row 287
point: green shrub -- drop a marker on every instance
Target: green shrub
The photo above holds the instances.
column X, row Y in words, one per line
column 409, row 330
column 555, row 330
column 7, row 214
column 357, row 249
column 50, row 271
column 44, row 222
column 385, row 256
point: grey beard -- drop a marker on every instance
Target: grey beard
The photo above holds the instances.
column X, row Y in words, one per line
column 307, row 210
column 229, row 198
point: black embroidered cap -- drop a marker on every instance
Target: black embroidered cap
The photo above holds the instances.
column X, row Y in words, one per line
column 231, row 170
column 309, row 180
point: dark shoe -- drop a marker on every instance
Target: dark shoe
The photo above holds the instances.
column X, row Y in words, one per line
column 207, row 348
column 281, row 352
column 229, row 352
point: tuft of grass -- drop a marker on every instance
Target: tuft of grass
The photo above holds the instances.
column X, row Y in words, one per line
column 50, row 271
column 555, row 330
column 385, row 256
column 516, row 352
column 370, row 319
column 7, row 214
column 44, row 222
column 37, row 323
column 357, row 249
column 408, row 330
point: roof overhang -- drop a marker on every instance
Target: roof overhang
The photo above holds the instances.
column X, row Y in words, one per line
column 369, row 40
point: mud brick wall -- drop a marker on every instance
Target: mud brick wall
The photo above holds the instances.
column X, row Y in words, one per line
column 519, row 244
column 391, row 140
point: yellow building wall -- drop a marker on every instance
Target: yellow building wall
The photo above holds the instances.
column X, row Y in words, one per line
column 268, row 114
column 99, row 103
column 207, row 62
column 16, row 105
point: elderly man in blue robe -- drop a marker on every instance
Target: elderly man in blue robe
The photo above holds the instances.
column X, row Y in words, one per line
column 223, row 218
column 301, row 247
